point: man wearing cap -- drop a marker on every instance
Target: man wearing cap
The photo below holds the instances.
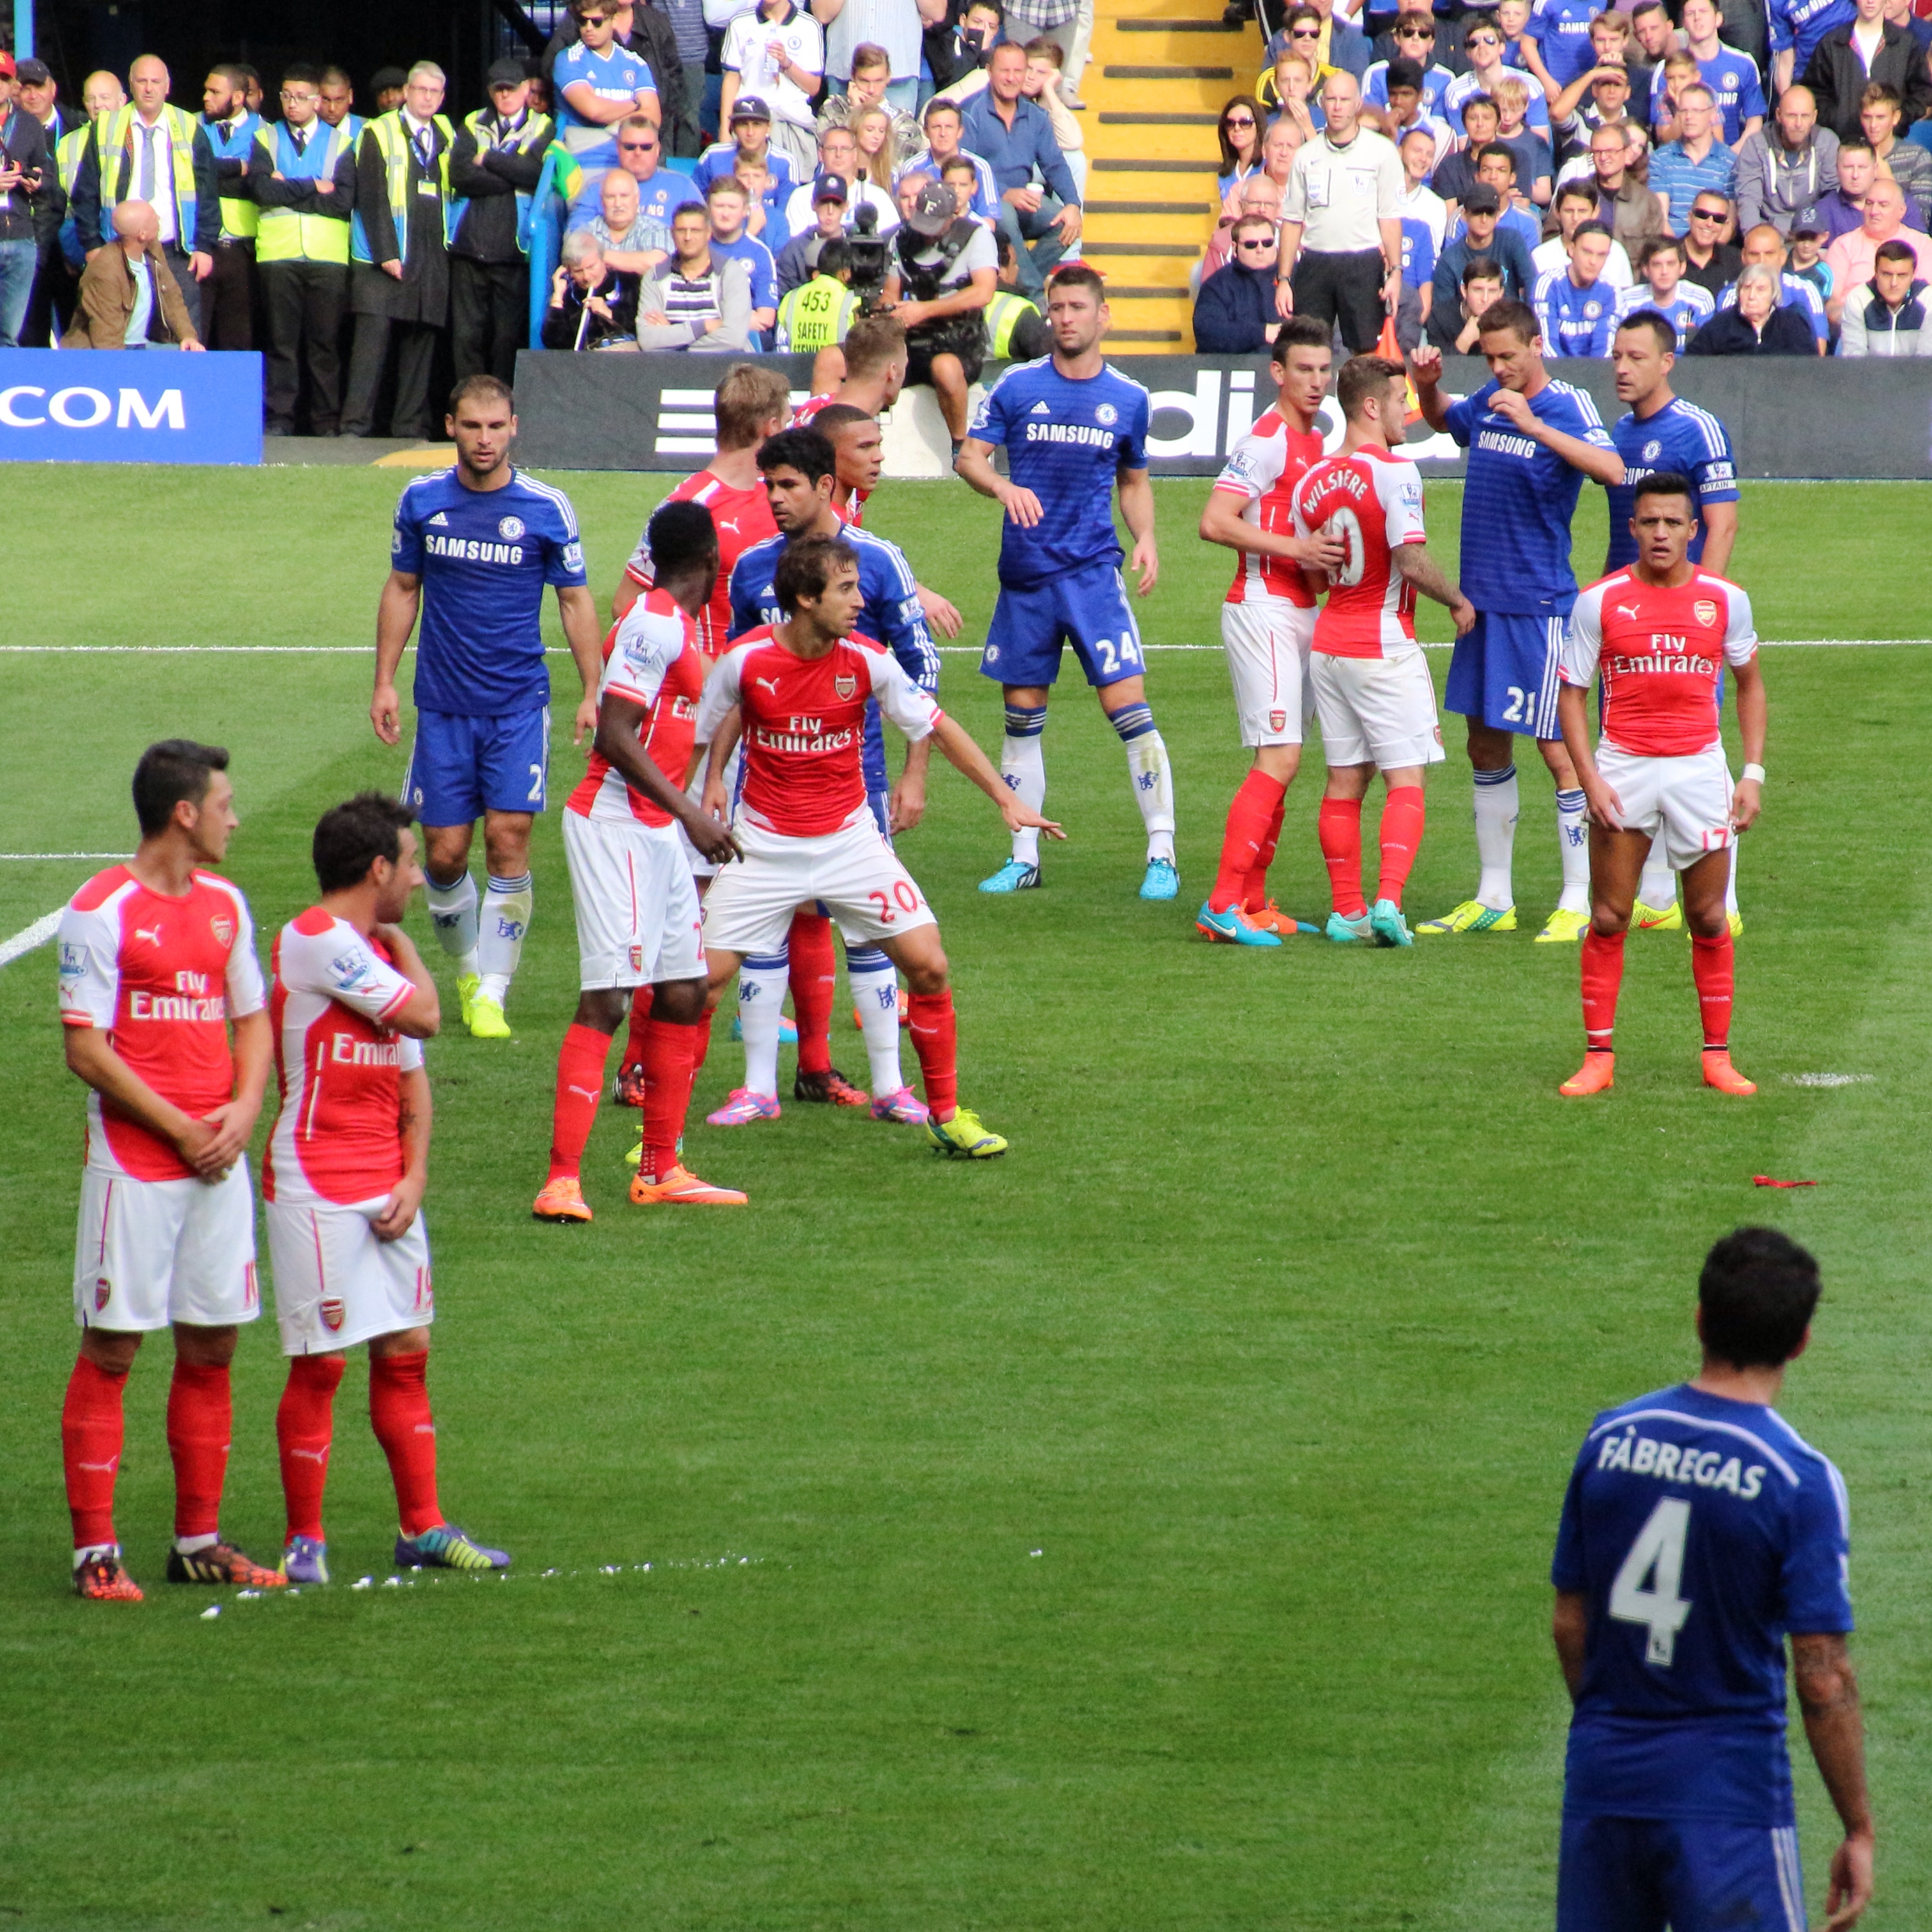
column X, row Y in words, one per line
column 30, row 199
column 387, row 85
column 839, row 155
column 494, row 169
column 946, row 268
column 798, row 260
column 1483, row 241
column 751, row 141
column 52, row 286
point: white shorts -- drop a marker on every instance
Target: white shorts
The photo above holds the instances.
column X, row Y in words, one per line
column 702, row 868
column 853, row 870
column 1267, row 639
column 1377, row 711
column 1687, row 799
column 337, row 1284
column 150, row 1252
column 636, row 904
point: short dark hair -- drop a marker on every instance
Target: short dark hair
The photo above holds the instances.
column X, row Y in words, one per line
column 350, row 837
column 233, row 72
column 1518, row 317
column 1894, row 251
column 1488, row 100
column 933, row 107
column 1077, row 275
column 333, row 75
column 834, row 258
column 1490, row 150
column 803, row 449
column 701, row 209
column 175, row 770
column 1593, row 227
column 1658, row 244
column 494, row 387
column 1484, row 269
column 1363, row 377
column 1756, row 1294
column 805, row 568
column 1658, row 324
column 679, row 535
column 1578, row 190
column 1299, row 331
column 301, row 74
column 1649, row 6
column 1668, row 483
column 835, row 416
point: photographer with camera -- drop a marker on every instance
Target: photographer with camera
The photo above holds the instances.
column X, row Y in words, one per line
column 945, row 270
column 798, row 260
column 29, row 186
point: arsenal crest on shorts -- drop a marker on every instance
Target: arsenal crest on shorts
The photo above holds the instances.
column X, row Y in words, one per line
column 846, row 683
column 1705, row 611
column 223, row 928
column 331, row 1313
column 1277, row 721
column 103, row 1288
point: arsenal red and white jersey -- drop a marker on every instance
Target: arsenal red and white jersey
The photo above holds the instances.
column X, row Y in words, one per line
column 651, row 657
column 338, row 1137
column 1266, row 465
column 1661, row 652
column 804, row 725
column 163, row 976
column 741, row 517
column 1372, row 500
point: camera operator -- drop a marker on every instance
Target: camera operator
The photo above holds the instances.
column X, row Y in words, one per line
column 944, row 273
column 798, row 260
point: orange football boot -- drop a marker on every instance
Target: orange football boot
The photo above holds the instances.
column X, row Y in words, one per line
column 681, row 1188
column 1720, row 1073
column 101, row 1579
column 561, row 1200
column 1598, row 1075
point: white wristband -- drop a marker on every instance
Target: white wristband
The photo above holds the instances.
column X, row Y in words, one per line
column 1755, row 773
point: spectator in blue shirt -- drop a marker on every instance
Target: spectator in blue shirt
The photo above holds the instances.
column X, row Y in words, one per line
column 1575, row 308
column 1696, row 162
column 1414, row 38
column 1014, row 138
column 1729, row 74
column 1481, row 240
column 597, row 82
column 1797, row 26
column 727, row 203
column 1556, row 43
column 1455, row 331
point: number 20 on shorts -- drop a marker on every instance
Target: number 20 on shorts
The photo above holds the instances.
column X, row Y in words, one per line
column 904, row 895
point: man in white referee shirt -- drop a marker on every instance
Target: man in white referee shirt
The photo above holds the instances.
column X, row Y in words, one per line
column 1341, row 229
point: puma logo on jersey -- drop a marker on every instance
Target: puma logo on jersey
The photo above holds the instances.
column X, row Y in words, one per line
column 1631, row 611
column 732, row 525
column 770, row 684
column 152, row 933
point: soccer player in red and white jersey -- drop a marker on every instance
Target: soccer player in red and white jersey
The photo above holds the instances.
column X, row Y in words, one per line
column 1372, row 688
column 874, row 353
column 344, row 1181
column 637, row 904
column 157, row 967
column 799, row 688
column 1660, row 633
column 1267, row 621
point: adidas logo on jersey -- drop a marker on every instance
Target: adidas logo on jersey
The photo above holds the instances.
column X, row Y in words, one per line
column 1039, row 409
column 439, row 521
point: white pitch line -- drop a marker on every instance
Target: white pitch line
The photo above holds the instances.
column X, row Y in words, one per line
column 950, row 650
column 38, row 933
column 19, row 857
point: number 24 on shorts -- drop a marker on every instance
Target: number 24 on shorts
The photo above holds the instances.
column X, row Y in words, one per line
column 906, row 896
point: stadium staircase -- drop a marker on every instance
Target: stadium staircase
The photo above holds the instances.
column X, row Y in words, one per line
column 1154, row 89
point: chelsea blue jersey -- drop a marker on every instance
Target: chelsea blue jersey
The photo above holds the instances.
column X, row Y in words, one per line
column 484, row 557
column 1680, row 437
column 1518, row 498
column 1066, row 440
column 1702, row 1532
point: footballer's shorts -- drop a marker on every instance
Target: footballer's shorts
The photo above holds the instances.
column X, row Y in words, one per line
column 461, row 767
column 1267, row 639
column 1687, row 799
column 1504, row 672
column 636, row 903
column 1376, row 711
column 701, row 868
column 1087, row 609
column 150, row 1252
column 853, row 873
column 336, row 1284
column 1643, row 1874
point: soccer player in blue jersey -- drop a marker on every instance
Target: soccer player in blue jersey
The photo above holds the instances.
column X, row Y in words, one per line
column 473, row 548
column 1531, row 441
column 1074, row 429
column 1663, row 434
column 1700, row 1533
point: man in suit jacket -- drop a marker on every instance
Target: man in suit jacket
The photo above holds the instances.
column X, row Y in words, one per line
column 129, row 299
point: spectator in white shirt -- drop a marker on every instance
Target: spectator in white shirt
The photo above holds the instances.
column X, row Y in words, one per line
column 778, row 53
column 891, row 25
column 1576, row 204
column 839, row 155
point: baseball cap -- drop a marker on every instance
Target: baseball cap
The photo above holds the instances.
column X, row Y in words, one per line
column 6, row 64
column 934, row 212
column 1482, row 200
column 1806, row 224
column 828, row 187
column 33, row 72
column 1403, row 72
column 749, row 107
column 508, row 72
column 385, row 77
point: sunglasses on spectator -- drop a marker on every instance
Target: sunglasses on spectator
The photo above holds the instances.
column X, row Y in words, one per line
column 1304, row 33
column 1483, row 40
column 1709, row 214
column 1415, row 33
column 1239, row 121
column 636, row 147
column 1257, row 242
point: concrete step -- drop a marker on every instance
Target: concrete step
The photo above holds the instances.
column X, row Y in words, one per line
column 1172, row 138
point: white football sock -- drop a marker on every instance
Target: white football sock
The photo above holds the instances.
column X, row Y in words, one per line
column 761, row 991
column 506, row 919
column 1023, row 766
column 875, row 992
column 1573, row 843
column 452, row 913
column 1496, row 807
column 1658, row 887
column 1731, row 884
column 189, row 1545
column 1153, row 777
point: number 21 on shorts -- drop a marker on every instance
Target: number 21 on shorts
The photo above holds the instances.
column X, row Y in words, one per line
column 1657, row 1555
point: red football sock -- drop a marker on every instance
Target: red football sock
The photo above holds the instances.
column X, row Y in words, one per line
column 1602, row 976
column 1401, row 839
column 814, row 973
column 305, row 1427
column 641, row 1011
column 1338, row 827
column 1256, row 803
column 201, row 1416
column 935, row 1039
column 667, row 1071
column 399, row 1413
column 1713, row 965
column 91, row 1432
column 701, row 1044
column 580, row 1086
column 1255, row 895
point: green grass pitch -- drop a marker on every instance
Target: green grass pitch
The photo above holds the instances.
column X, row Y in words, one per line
column 1148, row 1530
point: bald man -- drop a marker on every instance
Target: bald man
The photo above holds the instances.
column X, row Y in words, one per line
column 152, row 151
column 128, row 299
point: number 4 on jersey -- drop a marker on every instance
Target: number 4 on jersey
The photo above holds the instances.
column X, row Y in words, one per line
column 1659, row 1548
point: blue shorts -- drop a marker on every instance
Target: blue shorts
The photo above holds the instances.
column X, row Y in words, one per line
column 1504, row 672
column 1088, row 609
column 461, row 767
column 1641, row 1874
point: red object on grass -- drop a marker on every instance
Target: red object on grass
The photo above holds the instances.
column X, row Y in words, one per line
column 1766, row 1180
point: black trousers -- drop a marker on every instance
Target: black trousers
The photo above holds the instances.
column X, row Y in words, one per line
column 1343, row 290
column 304, row 301
column 228, row 298
column 51, row 307
column 178, row 266
column 489, row 315
column 415, row 346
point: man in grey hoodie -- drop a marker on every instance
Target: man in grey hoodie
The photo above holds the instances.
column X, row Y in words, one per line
column 1786, row 166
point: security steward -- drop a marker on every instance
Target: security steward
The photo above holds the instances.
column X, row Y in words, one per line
column 304, row 182
column 817, row 315
column 228, row 298
column 493, row 169
column 1014, row 327
column 945, row 269
column 399, row 255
